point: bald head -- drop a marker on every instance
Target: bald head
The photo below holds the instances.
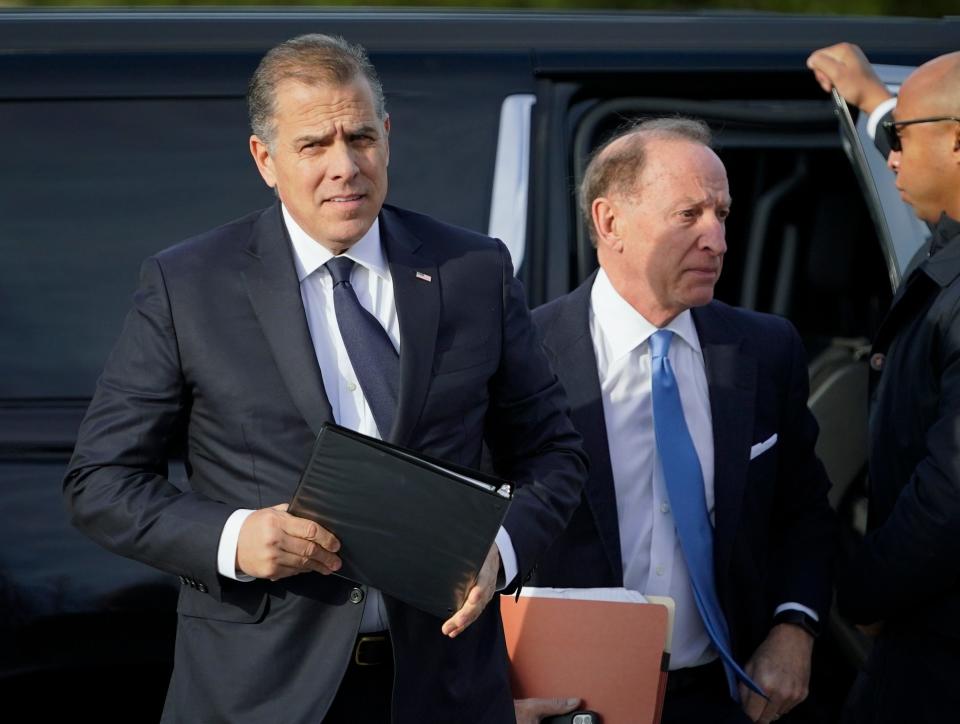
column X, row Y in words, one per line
column 617, row 166
column 928, row 126
column 936, row 85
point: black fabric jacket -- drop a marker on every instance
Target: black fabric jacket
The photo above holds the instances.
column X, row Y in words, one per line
column 908, row 568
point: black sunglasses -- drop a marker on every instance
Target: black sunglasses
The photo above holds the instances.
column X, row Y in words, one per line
column 892, row 128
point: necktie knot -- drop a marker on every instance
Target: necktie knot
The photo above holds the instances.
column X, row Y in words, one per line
column 340, row 268
column 660, row 342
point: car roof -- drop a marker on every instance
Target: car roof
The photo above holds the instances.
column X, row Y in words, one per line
column 92, row 30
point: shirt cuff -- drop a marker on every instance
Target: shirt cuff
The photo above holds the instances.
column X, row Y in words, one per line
column 508, row 558
column 879, row 112
column 793, row 606
column 227, row 551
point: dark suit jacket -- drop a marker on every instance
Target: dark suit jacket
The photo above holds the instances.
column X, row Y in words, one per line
column 775, row 531
column 907, row 574
column 216, row 355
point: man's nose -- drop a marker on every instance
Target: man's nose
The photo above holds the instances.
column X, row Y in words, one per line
column 714, row 237
column 341, row 162
column 893, row 161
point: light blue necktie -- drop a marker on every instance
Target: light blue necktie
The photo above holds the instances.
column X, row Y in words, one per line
column 684, row 481
column 373, row 356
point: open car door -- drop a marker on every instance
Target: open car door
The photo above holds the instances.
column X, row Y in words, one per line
column 901, row 234
column 838, row 395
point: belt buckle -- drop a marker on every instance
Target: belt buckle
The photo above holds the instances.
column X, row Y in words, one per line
column 372, row 644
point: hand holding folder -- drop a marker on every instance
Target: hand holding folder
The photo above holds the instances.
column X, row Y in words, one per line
column 416, row 528
column 609, row 647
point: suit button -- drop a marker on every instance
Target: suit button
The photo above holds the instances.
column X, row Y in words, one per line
column 202, row 587
column 356, row 595
column 877, row 361
column 183, row 581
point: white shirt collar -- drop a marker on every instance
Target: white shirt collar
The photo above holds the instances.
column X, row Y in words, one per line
column 309, row 255
column 624, row 327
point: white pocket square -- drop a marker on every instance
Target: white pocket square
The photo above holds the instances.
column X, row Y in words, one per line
column 762, row 447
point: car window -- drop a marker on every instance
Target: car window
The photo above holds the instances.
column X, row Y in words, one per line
column 89, row 190
column 901, row 233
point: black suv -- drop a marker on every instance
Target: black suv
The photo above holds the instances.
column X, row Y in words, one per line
column 127, row 131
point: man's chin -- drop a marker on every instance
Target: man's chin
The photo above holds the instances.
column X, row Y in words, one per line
column 929, row 215
column 340, row 235
column 698, row 297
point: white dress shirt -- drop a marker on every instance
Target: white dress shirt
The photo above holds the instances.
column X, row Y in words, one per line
column 650, row 549
column 373, row 284
column 653, row 562
column 873, row 120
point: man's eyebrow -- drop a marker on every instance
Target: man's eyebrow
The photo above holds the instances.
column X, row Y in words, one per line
column 363, row 130
column 312, row 138
column 702, row 201
column 692, row 201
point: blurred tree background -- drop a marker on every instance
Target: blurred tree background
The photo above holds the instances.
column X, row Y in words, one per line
column 917, row 8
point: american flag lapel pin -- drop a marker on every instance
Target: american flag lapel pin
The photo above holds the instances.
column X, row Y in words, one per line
column 424, row 277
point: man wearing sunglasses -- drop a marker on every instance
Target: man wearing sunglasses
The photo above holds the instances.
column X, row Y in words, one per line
column 904, row 584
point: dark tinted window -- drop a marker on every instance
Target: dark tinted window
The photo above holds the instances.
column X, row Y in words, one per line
column 89, row 190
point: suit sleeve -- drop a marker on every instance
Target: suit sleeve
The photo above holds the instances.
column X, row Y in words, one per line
column 913, row 555
column 116, row 486
column 804, row 526
column 529, row 433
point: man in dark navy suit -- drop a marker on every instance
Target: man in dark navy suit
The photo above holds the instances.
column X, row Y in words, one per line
column 902, row 586
column 704, row 485
column 242, row 342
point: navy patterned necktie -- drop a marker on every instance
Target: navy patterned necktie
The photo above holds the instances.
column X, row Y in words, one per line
column 373, row 356
column 684, row 482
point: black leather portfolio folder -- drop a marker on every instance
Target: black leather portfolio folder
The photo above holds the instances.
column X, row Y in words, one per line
column 416, row 528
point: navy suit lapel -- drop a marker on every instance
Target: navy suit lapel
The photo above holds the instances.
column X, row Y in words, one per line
column 576, row 366
column 416, row 292
column 731, row 379
column 274, row 291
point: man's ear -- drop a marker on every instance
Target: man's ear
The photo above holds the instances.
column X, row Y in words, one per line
column 604, row 212
column 386, row 136
column 261, row 155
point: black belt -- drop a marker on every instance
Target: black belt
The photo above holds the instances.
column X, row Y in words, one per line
column 695, row 677
column 372, row 649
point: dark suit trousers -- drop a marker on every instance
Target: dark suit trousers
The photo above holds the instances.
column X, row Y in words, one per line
column 363, row 697
column 709, row 702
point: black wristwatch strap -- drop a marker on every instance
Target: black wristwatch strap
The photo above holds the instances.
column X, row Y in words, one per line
column 799, row 618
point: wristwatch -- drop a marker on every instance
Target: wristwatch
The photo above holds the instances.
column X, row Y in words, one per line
column 798, row 618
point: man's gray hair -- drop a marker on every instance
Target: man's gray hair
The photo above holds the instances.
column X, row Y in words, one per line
column 617, row 172
column 311, row 59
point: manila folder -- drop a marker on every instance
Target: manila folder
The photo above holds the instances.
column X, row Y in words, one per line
column 612, row 654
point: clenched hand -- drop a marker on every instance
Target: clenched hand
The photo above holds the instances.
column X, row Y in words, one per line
column 274, row 544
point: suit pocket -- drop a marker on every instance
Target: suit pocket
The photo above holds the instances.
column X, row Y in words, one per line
column 240, row 603
column 761, row 447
